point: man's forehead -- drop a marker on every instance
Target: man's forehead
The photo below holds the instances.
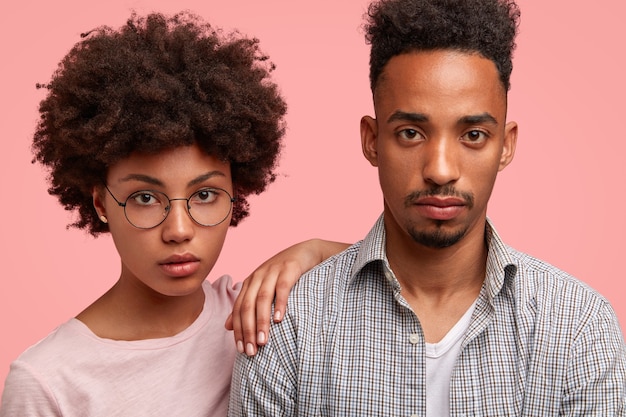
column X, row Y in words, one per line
column 434, row 78
column 445, row 64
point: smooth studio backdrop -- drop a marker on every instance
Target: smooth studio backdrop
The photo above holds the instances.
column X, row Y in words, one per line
column 562, row 198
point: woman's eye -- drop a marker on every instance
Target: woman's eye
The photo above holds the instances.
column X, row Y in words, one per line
column 143, row 198
column 205, row 196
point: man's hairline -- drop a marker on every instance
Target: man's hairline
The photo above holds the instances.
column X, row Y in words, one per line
column 419, row 50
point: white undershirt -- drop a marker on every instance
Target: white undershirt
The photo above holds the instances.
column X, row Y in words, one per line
column 440, row 360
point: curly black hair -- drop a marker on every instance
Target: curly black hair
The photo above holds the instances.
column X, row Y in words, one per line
column 157, row 83
column 489, row 27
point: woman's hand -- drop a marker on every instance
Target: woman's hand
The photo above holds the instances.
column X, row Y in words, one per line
column 272, row 282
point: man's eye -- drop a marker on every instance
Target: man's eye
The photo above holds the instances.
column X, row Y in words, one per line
column 409, row 134
column 475, row 136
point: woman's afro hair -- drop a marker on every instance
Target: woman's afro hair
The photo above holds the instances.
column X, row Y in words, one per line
column 488, row 27
column 157, row 83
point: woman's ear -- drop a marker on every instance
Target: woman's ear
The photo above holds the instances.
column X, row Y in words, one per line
column 97, row 195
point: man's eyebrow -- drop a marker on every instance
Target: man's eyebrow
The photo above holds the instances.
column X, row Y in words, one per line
column 478, row 119
column 404, row 116
column 399, row 115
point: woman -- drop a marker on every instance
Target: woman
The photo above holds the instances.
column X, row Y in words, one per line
column 155, row 133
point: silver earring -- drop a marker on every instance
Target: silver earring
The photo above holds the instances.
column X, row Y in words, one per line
column 103, row 219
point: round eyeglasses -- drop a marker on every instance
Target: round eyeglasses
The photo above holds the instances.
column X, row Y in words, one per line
column 146, row 209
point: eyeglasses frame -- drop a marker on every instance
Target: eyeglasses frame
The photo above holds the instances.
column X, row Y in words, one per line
column 169, row 205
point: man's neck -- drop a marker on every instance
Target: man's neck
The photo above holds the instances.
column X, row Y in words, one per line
column 439, row 284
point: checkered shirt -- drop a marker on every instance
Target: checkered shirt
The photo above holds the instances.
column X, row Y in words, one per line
column 540, row 343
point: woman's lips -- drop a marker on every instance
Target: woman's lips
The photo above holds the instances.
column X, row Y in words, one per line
column 180, row 265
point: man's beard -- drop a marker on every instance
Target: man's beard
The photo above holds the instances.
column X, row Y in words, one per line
column 437, row 239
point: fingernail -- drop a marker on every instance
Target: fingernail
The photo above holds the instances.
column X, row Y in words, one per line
column 261, row 337
column 239, row 346
column 277, row 315
column 249, row 349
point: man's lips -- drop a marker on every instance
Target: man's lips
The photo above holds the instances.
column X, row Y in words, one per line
column 438, row 208
column 441, row 202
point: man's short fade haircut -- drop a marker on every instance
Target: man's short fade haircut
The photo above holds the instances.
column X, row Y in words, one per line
column 157, row 83
column 487, row 27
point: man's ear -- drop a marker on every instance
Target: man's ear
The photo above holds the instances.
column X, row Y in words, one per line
column 369, row 137
column 510, row 142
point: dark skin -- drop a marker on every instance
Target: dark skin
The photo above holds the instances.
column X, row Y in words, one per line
column 450, row 278
column 269, row 283
column 438, row 141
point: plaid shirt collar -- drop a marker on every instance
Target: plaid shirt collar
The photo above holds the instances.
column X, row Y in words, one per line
column 500, row 269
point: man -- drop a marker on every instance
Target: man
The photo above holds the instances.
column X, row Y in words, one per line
column 432, row 314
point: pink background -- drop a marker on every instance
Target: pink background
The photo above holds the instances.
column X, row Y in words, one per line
column 562, row 199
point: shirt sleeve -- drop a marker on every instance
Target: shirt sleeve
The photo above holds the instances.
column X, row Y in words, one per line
column 596, row 376
column 266, row 384
column 25, row 394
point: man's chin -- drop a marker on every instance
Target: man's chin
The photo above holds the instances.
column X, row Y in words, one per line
column 437, row 239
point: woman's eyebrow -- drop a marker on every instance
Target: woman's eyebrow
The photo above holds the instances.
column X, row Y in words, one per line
column 155, row 181
column 206, row 176
column 143, row 178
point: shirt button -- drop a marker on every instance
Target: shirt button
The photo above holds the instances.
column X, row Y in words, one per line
column 414, row 339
